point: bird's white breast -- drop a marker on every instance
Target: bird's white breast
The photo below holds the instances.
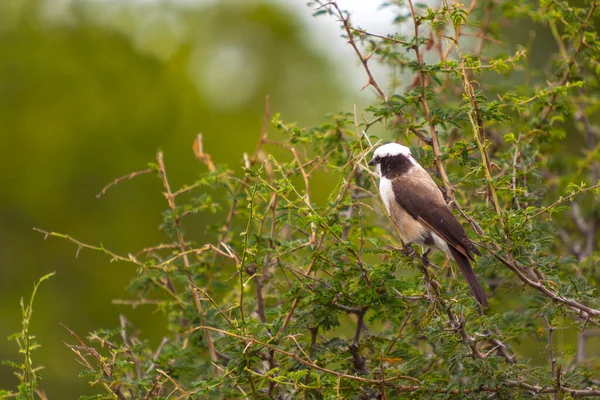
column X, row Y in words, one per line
column 387, row 193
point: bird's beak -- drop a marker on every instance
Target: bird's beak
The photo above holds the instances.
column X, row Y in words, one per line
column 372, row 163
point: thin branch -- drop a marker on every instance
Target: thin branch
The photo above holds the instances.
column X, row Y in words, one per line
column 538, row 285
column 570, row 62
column 122, row 178
column 561, row 200
column 453, row 43
column 81, row 245
column 308, row 362
column 417, row 386
column 198, row 147
column 359, row 361
column 345, row 20
column 550, row 346
column 182, row 249
column 363, row 32
column 288, row 317
column 432, row 130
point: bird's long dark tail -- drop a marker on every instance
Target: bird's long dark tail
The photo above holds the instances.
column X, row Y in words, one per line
column 465, row 268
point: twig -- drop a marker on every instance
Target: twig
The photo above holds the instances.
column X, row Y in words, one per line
column 359, row 361
column 345, row 20
column 198, row 147
column 174, row 382
column 105, row 368
column 432, row 131
column 477, row 124
column 570, row 62
column 453, row 43
column 81, row 245
column 362, row 32
column 456, row 324
column 288, row 317
column 417, row 386
column 252, row 161
column 585, row 310
column 182, row 248
column 307, row 362
column 550, row 347
column 122, row 178
column 561, row 200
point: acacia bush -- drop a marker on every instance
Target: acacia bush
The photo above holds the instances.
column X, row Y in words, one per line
column 293, row 297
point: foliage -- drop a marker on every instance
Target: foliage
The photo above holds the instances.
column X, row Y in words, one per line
column 27, row 374
column 294, row 297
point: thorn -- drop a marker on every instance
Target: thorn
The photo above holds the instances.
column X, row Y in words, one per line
column 367, row 58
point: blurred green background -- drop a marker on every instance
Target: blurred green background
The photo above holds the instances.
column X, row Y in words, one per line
column 90, row 91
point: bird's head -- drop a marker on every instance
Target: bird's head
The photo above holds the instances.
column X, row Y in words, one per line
column 392, row 158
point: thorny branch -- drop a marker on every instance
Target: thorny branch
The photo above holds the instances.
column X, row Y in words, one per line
column 585, row 311
column 432, row 129
column 345, row 20
column 122, row 178
column 182, row 248
column 569, row 63
column 390, row 381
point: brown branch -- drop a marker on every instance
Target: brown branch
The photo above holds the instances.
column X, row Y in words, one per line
column 308, row 362
column 182, row 248
column 501, row 349
column 157, row 248
column 456, row 325
column 550, row 346
column 432, row 131
column 477, row 124
column 562, row 200
column 453, row 43
column 513, row 179
column 345, row 20
column 122, row 178
column 306, row 197
column 81, row 245
column 104, row 366
column 359, row 361
column 538, row 285
column 362, row 32
column 174, row 382
column 198, row 147
column 417, row 386
column 288, row 317
column 570, row 62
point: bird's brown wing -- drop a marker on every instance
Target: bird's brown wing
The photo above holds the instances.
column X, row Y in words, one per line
column 421, row 198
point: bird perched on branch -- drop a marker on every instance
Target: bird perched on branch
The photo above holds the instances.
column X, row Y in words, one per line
column 417, row 207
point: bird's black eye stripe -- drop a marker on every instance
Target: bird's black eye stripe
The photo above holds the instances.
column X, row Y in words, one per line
column 377, row 159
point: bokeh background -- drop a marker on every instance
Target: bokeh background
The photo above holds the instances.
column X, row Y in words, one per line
column 90, row 90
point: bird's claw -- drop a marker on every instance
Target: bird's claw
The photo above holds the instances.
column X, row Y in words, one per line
column 425, row 259
column 408, row 249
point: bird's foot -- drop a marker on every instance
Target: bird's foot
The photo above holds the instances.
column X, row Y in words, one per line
column 425, row 259
column 408, row 249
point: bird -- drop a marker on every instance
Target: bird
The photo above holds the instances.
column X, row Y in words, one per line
column 416, row 206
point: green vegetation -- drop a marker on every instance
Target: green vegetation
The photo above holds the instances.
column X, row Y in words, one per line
column 28, row 374
column 291, row 295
